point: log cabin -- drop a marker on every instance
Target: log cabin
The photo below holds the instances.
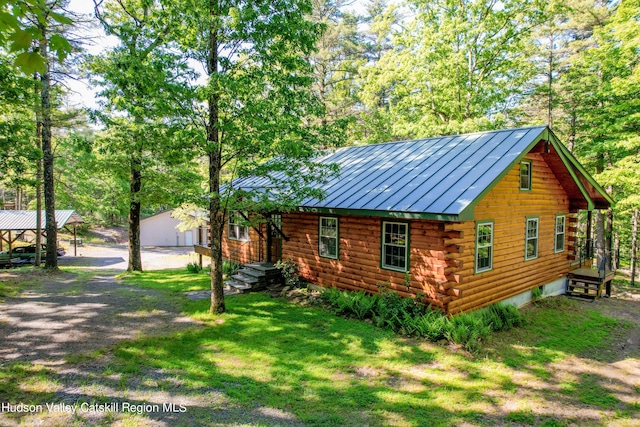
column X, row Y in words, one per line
column 460, row 222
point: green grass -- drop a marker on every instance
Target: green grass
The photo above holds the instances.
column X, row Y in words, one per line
column 173, row 280
column 327, row 370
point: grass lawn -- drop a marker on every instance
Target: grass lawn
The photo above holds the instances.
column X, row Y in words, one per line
column 269, row 362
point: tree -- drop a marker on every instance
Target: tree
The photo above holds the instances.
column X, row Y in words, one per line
column 455, row 67
column 257, row 105
column 339, row 54
column 36, row 31
column 145, row 81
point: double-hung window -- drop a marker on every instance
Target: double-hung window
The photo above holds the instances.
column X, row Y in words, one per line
column 531, row 239
column 484, row 246
column 560, row 233
column 236, row 230
column 525, row 175
column 395, row 246
column 328, row 242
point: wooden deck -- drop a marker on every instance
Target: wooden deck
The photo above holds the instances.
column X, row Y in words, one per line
column 589, row 283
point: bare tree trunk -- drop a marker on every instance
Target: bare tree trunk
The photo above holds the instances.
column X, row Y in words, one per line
column 634, row 247
column 38, row 259
column 216, row 212
column 51, row 260
column 135, row 185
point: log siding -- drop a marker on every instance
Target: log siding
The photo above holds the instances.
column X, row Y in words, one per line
column 509, row 208
column 359, row 263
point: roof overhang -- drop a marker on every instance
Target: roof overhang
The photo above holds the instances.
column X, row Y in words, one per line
column 584, row 192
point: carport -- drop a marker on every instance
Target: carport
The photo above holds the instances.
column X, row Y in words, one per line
column 14, row 224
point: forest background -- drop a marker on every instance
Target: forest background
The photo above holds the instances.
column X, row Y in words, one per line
column 294, row 77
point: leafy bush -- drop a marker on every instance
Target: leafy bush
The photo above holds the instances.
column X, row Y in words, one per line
column 536, row 294
column 432, row 325
column 467, row 330
column 229, row 268
column 290, row 272
column 194, row 267
column 364, row 305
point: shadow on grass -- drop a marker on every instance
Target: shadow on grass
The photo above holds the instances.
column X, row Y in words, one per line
column 266, row 362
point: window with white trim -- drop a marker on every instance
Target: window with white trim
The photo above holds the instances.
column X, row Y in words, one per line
column 484, row 246
column 237, row 231
column 560, row 233
column 395, row 246
column 531, row 243
column 328, row 241
column 525, row 175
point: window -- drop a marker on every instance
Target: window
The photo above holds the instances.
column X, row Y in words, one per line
column 560, row 232
column 484, row 246
column 237, row 231
column 525, row 175
column 395, row 245
column 328, row 242
column 531, row 244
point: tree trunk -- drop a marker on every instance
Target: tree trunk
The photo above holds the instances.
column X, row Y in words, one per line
column 216, row 213
column 634, row 247
column 135, row 185
column 38, row 259
column 51, row 260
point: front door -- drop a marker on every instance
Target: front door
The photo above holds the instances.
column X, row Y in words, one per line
column 274, row 238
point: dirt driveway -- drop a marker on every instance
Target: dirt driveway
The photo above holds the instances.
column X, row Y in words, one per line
column 115, row 257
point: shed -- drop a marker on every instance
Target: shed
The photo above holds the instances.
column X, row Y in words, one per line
column 14, row 224
column 162, row 230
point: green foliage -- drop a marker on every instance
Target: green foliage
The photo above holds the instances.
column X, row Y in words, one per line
column 409, row 316
column 194, row 267
column 230, row 268
column 536, row 294
column 290, row 272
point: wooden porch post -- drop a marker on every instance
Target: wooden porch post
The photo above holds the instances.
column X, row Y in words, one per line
column 589, row 251
column 75, row 241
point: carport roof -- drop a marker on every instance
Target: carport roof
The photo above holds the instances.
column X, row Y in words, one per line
column 26, row 220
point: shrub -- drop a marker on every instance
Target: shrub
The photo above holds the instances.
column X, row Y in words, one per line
column 409, row 316
column 364, row 304
column 229, row 268
column 502, row 317
column 290, row 272
column 467, row 330
column 431, row 325
column 536, row 294
column 194, row 267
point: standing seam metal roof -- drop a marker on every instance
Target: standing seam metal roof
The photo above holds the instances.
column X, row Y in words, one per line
column 26, row 220
column 440, row 176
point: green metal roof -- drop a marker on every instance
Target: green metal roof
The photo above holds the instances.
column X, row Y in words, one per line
column 434, row 178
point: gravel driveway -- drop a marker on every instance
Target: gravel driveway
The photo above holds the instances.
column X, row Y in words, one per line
column 115, row 257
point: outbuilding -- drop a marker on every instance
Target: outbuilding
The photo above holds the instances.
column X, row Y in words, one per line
column 162, row 230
